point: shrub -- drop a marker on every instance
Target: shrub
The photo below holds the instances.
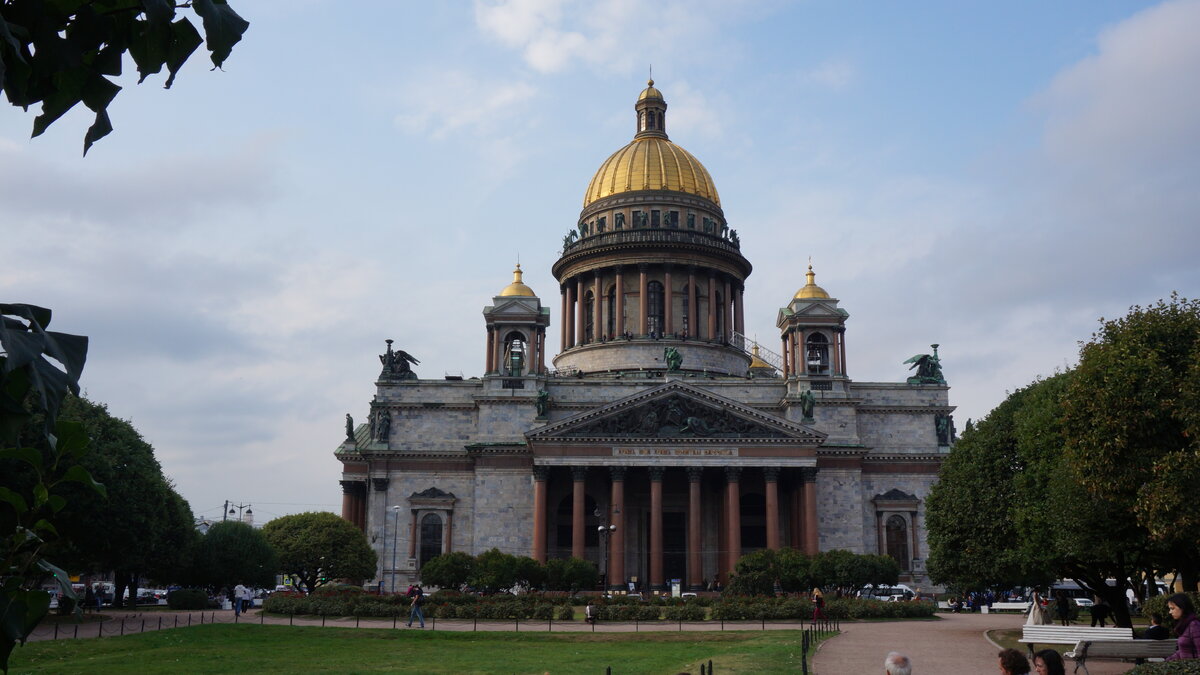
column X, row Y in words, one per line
column 1185, row 667
column 188, row 598
column 688, row 612
column 1158, row 605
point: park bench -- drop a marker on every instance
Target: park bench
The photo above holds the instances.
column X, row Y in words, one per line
column 1119, row 650
column 1071, row 635
column 1010, row 607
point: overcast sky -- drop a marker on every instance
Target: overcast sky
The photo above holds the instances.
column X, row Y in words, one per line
column 993, row 177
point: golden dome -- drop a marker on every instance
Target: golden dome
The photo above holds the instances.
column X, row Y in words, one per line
column 811, row 289
column 651, row 163
column 756, row 361
column 650, row 92
column 517, row 287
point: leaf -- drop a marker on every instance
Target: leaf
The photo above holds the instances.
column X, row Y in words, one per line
column 22, row 613
column 223, row 28
column 99, row 129
column 78, row 474
column 39, row 495
column 56, row 503
column 72, row 439
column 15, row 499
column 28, row 455
column 184, row 40
column 69, row 350
column 159, row 11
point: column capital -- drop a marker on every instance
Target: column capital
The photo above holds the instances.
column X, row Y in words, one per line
column 808, row 474
column 618, row 473
column 579, row 473
column 695, row 473
column 712, row 274
column 733, row 474
column 353, row 487
column 771, row 474
column 656, row 473
column 541, row 473
column 643, row 267
column 380, row 484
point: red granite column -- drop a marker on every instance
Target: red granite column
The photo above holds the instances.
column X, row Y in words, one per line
column 712, row 305
column 578, row 517
column 842, row 347
column 812, row 538
column 656, row 530
column 580, row 307
column 787, row 368
column 569, row 316
column 727, row 311
column 643, row 294
column 491, row 342
column 541, row 351
column 771, row 477
column 597, row 306
column 539, row 513
column 733, row 488
column 695, row 566
column 799, row 363
column 693, row 305
column 562, row 319
column 668, row 302
column 347, row 501
column 360, row 507
column 412, row 536
column 620, row 322
column 616, row 556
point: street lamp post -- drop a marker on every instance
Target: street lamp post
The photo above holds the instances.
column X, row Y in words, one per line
column 603, row 531
column 229, row 510
column 395, row 540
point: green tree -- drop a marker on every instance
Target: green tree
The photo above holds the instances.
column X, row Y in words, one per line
column 62, row 53
column 449, row 570
column 1132, row 424
column 319, row 546
column 571, row 574
column 143, row 527
column 232, row 553
column 494, row 571
column 37, row 369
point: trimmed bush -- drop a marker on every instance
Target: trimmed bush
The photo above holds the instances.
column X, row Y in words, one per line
column 1185, row 667
column 188, row 598
column 1158, row 605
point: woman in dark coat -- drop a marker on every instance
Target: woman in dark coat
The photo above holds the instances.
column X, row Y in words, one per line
column 1187, row 628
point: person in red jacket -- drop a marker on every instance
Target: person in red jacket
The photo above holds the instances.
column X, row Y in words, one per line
column 1187, row 628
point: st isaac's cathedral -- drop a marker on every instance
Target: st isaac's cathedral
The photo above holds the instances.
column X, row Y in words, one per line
column 661, row 443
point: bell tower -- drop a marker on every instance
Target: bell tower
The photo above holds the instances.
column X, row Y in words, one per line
column 813, row 332
column 516, row 331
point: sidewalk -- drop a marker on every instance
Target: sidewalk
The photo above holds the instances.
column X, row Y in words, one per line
column 955, row 645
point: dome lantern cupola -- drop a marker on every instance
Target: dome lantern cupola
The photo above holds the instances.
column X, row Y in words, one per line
column 651, row 113
column 517, row 287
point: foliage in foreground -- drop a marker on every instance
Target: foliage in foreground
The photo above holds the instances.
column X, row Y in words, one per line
column 1186, row 667
column 62, row 53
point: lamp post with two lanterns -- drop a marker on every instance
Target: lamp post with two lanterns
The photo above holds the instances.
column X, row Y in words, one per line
column 603, row 530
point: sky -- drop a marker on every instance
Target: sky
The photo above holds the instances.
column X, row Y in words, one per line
column 992, row 177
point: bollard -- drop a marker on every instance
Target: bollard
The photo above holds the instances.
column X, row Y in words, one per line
column 143, row 625
column 518, row 622
column 122, row 626
column 189, row 619
column 635, row 625
column 322, row 619
column 292, row 618
column 433, row 626
column 262, row 618
column 394, row 618
column 551, row 624
column 356, row 621
column 475, row 625
column 608, row 670
column 764, row 623
column 201, row 618
column 76, row 630
column 160, row 622
column 710, row 670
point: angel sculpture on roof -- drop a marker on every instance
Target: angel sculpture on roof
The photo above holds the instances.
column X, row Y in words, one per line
column 929, row 368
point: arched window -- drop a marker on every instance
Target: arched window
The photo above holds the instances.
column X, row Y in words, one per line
column 610, row 325
column 897, row 540
column 817, row 354
column 589, row 317
column 515, row 352
column 431, row 538
column 590, row 521
column 654, row 307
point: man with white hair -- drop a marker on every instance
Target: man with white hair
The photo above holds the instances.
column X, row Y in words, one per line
column 897, row 664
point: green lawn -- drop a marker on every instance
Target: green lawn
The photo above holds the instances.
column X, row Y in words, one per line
column 248, row 648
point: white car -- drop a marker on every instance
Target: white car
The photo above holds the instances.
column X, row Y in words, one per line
column 1084, row 602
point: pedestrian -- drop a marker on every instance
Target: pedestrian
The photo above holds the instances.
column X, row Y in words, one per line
column 1100, row 611
column 589, row 612
column 1062, row 607
column 1049, row 662
column 239, row 595
column 1187, row 628
column 1155, row 631
column 89, row 598
column 1013, row 662
column 98, row 590
column 897, row 664
column 818, row 602
column 418, row 598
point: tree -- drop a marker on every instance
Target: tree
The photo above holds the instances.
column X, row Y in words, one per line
column 232, row 553
column 449, row 570
column 62, row 53
column 143, row 526
column 318, row 546
column 494, row 572
column 32, row 386
column 1132, row 423
column 571, row 574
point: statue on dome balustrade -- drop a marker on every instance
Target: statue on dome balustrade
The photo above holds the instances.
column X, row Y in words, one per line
column 929, row 368
column 395, row 364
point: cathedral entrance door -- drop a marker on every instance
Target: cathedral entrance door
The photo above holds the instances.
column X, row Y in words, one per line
column 675, row 547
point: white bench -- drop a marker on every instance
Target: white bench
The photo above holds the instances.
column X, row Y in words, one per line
column 1010, row 606
column 1120, row 650
column 1071, row 635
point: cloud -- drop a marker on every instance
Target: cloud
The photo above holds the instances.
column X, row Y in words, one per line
column 464, row 104
column 833, row 74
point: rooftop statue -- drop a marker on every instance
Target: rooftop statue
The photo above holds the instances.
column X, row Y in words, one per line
column 929, row 368
column 543, row 402
column 673, row 358
column 349, row 428
column 808, row 402
column 395, row 364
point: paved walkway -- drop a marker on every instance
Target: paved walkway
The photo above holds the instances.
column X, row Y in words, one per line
column 955, row 645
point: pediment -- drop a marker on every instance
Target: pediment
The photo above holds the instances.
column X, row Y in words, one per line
column 515, row 307
column 673, row 412
column 818, row 308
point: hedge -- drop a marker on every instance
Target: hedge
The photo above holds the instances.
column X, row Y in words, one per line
column 1185, row 667
column 1158, row 605
column 188, row 598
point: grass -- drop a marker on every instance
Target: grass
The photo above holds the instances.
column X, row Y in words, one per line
column 226, row 648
